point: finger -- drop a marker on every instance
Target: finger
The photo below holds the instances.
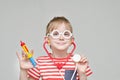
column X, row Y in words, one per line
column 32, row 52
column 24, row 56
column 82, row 56
column 18, row 56
column 83, row 59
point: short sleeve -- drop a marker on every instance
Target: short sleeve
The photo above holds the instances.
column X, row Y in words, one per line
column 34, row 73
column 88, row 71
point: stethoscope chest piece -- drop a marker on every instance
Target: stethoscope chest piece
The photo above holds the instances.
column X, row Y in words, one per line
column 76, row 57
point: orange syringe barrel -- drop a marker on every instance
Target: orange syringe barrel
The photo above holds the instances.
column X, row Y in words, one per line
column 28, row 54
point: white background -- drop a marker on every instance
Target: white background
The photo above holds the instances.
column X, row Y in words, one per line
column 96, row 25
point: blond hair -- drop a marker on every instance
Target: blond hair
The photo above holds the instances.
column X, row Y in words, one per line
column 53, row 24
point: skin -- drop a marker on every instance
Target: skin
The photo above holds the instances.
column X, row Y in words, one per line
column 58, row 51
column 57, row 47
column 24, row 65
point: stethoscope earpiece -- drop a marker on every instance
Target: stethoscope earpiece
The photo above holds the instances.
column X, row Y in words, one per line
column 76, row 58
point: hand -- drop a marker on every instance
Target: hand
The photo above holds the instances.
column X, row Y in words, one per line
column 24, row 61
column 82, row 64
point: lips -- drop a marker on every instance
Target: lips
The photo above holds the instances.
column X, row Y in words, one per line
column 61, row 43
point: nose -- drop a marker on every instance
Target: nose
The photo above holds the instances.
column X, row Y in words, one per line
column 61, row 37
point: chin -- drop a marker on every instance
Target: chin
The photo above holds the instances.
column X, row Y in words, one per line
column 63, row 47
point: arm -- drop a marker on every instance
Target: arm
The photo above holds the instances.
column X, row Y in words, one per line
column 24, row 66
column 23, row 75
column 82, row 76
column 82, row 66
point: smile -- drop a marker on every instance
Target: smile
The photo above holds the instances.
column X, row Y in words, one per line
column 61, row 43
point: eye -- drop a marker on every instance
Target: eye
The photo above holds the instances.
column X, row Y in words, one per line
column 67, row 33
column 55, row 33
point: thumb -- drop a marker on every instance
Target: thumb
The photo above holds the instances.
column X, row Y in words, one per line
column 18, row 56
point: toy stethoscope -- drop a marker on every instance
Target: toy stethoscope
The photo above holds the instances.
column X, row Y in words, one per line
column 76, row 58
column 59, row 65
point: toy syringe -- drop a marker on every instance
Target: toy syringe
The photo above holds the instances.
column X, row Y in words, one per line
column 28, row 54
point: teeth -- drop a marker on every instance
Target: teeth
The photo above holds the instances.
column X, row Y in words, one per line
column 76, row 58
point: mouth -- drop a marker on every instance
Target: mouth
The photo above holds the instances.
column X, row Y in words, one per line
column 61, row 43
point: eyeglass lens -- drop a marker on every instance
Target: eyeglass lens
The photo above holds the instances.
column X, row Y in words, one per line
column 65, row 34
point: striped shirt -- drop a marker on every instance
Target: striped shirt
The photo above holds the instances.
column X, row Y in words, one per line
column 47, row 70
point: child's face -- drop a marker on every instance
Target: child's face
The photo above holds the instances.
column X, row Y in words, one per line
column 60, row 38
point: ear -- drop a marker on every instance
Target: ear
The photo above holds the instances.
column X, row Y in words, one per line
column 46, row 39
column 72, row 40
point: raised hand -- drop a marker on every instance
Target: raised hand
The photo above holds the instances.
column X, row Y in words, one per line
column 83, row 64
column 24, row 61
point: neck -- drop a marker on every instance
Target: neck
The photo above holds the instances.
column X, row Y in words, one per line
column 59, row 54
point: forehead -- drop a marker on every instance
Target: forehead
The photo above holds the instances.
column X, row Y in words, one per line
column 60, row 26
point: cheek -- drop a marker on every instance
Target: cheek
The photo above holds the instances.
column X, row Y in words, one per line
column 52, row 42
column 69, row 42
